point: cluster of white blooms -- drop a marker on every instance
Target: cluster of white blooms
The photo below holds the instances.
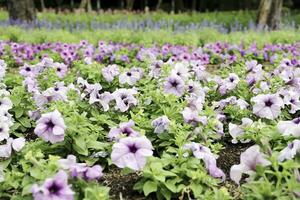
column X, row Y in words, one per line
column 6, row 121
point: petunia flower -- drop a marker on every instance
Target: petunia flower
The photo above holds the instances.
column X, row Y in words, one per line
column 190, row 116
column 237, row 130
column 131, row 152
column 125, row 99
column 51, row 127
column 124, row 128
column 174, row 85
column 289, row 127
column 131, row 77
column 249, row 160
column 110, row 72
column 160, row 124
column 54, row 188
column 290, row 151
column 267, row 105
column 11, row 144
column 201, row 152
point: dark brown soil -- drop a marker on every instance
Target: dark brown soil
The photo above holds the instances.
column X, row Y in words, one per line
column 121, row 186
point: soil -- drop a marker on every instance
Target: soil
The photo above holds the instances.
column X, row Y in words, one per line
column 121, row 186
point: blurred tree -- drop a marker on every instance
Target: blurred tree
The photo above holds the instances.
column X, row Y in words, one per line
column 269, row 14
column 98, row 5
column 86, row 4
column 179, row 7
column 129, row 4
column 42, row 5
column 21, row 10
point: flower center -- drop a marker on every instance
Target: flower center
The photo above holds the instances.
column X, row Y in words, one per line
column 174, row 83
column 50, row 124
column 128, row 73
column 297, row 120
column 127, row 131
column 27, row 69
column 54, row 188
column 268, row 103
column 133, row 148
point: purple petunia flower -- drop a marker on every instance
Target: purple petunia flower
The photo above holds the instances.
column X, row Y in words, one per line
column 131, row 152
column 289, row 127
column 174, row 85
column 110, row 72
column 131, row 77
column 290, row 151
column 51, row 127
column 125, row 129
column 160, row 124
column 125, row 99
column 267, row 105
column 248, row 162
column 236, row 131
column 204, row 153
column 54, row 188
column 190, row 116
column 11, row 144
column 80, row 170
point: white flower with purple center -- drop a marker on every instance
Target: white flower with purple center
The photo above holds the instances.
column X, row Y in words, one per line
column 249, row 160
column 174, row 85
column 160, row 124
column 267, row 105
column 290, row 151
column 55, row 188
column 51, row 127
column 291, row 127
column 110, row 72
column 131, row 152
column 125, row 129
column 125, row 99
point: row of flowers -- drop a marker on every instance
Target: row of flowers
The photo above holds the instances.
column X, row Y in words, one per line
column 160, row 111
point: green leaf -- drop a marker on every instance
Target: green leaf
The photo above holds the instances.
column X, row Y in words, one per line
column 149, row 187
column 80, row 146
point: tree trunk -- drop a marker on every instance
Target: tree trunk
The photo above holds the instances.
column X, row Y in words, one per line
column 98, row 5
column 194, row 5
column 178, row 6
column 269, row 14
column 129, row 4
column 72, row 5
column 42, row 5
column 158, row 4
column 21, row 10
column 89, row 6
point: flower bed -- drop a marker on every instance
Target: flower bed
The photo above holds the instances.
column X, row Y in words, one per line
column 80, row 121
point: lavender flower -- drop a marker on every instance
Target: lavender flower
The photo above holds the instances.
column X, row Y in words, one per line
column 131, row 77
column 125, row 99
column 160, row 124
column 248, row 162
column 174, row 85
column 238, row 130
column 54, row 188
column 124, row 128
column 267, row 105
column 290, row 151
column 11, row 144
column 110, row 72
column 51, row 127
column 131, row 152
column 289, row 127
column 204, row 153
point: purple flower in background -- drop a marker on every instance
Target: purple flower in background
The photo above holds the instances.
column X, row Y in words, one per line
column 161, row 124
column 55, row 188
column 290, row 151
column 110, row 72
column 289, row 127
column 93, row 173
column 131, row 152
column 174, row 85
column 51, row 127
column 155, row 69
column 249, row 160
column 124, row 128
column 125, row 99
column 267, row 105
column 61, row 69
column 253, row 66
column 204, row 153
